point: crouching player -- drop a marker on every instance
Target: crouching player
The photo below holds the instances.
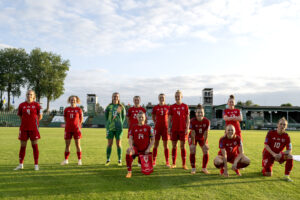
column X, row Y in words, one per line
column 199, row 126
column 231, row 150
column 275, row 142
column 140, row 141
column 73, row 119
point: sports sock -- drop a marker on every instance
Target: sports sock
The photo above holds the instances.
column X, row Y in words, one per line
column 119, row 151
column 108, row 152
column 167, row 155
column 67, row 154
column 174, row 155
column 154, row 154
column 79, row 155
column 35, row 153
column 193, row 160
column 204, row 160
column 129, row 162
column 288, row 166
column 22, row 154
column 183, row 156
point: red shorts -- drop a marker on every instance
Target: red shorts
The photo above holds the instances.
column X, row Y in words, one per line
column 137, row 152
column 230, row 158
column 178, row 135
column 268, row 161
column 200, row 142
column 25, row 135
column 161, row 132
column 75, row 134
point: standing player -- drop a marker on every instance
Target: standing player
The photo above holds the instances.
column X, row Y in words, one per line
column 30, row 115
column 233, row 116
column 179, row 120
column 231, row 150
column 160, row 119
column 276, row 141
column 140, row 141
column 199, row 126
column 73, row 119
column 133, row 112
column 115, row 117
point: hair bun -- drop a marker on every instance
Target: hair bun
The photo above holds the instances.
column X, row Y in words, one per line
column 231, row 96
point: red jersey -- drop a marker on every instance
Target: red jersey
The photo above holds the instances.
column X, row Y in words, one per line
column 277, row 142
column 161, row 115
column 73, row 116
column 233, row 113
column 199, row 127
column 231, row 146
column 141, row 136
column 179, row 115
column 132, row 115
column 29, row 113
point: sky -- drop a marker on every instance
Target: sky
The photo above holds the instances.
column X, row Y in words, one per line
column 249, row 48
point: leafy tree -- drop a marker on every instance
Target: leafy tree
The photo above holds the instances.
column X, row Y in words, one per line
column 246, row 103
column 55, row 73
column 12, row 63
column 286, row 105
column 36, row 71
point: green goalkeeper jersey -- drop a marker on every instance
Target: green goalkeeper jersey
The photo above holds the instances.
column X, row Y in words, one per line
column 115, row 117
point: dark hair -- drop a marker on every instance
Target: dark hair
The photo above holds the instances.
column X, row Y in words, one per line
column 231, row 96
column 199, row 106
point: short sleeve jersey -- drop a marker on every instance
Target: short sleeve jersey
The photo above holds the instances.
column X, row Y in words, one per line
column 73, row 116
column 231, row 146
column 277, row 142
column 29, row 113
column 141, row 136
column 200, row 127
column 132, row 115
column 233, row 113
column 161, row 115
column 179, row 115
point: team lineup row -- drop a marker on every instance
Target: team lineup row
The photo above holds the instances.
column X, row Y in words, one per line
column 170, row 122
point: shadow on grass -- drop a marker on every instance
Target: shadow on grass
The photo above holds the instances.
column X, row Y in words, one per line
column 73, row 179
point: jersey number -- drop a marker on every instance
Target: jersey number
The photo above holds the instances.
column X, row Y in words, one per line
column 71, row 116
column 178, row 113
column 277, row 145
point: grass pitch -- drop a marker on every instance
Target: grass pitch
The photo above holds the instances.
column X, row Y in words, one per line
column 93, row 180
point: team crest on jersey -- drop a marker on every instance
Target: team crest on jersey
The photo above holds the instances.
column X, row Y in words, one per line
column 146, row 158
column 33, row 106
column 274, row 138
column 136, row 130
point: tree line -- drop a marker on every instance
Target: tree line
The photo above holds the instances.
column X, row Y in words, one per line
column 44, row 72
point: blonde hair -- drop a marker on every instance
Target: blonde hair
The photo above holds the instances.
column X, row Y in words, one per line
column 179, row 92
column 77, row 99
column 233, row 128
column 34, row 95
column 283, row 119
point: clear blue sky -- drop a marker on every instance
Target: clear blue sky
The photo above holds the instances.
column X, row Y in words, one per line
column 248, row 47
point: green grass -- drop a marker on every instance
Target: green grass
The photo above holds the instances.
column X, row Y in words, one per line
column 93, row 180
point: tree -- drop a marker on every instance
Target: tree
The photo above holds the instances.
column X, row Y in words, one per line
column 12, row 63
column 99, row 109
column 55, row 73
column 286, row 105
column 36, row 71
column 246, row 103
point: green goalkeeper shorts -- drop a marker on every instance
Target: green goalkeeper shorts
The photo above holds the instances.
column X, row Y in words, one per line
column 112, row 134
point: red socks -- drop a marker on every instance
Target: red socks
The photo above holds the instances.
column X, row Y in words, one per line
column 129, row 160
column 67, row 155
column 193, row 160
column 154, row 154
column 22, row 154
column 183, row 156
column 288, row 166
column 79, row 155
column 174, row 155
column 35, row 153
column 204, row 161
column 167, row 155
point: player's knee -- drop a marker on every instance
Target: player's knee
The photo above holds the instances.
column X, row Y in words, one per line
column 128, row 151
